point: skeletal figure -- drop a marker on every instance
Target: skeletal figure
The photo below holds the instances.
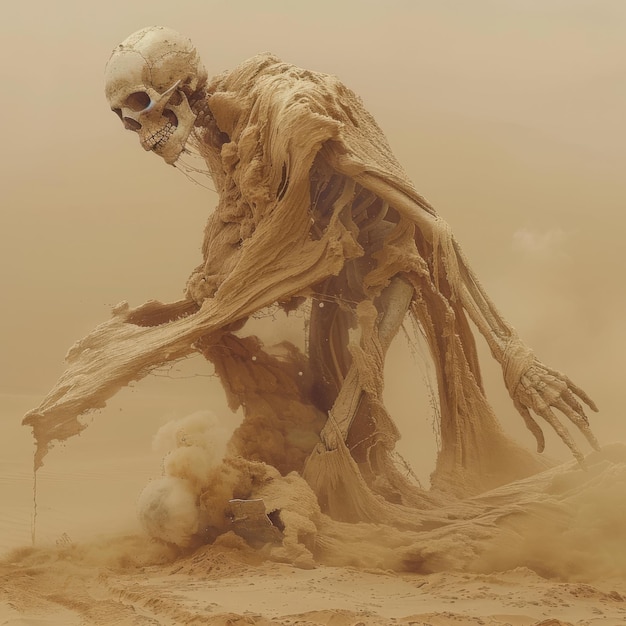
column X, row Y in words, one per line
column 312, row 206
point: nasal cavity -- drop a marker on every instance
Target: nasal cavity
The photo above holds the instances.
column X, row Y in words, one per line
column 131, row 124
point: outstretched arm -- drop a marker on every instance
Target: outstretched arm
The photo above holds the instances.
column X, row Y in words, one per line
column 269, row 269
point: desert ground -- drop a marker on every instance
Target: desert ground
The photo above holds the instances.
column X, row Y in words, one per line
column 509, row 119
column 92, row 564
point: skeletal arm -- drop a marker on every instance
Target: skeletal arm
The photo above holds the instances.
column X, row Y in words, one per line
column 532, row 385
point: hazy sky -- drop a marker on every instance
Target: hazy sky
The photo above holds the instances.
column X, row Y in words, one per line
column 508, row 116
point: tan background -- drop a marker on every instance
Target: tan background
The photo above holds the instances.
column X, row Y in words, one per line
column 509, row 117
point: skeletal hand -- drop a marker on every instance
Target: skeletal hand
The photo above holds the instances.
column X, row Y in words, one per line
column 542, row 389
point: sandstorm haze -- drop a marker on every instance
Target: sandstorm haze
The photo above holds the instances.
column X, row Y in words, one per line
column 508, row 116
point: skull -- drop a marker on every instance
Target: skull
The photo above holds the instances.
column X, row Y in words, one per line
column 147, row 79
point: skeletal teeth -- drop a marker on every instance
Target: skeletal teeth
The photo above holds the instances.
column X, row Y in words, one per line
column 157, row 139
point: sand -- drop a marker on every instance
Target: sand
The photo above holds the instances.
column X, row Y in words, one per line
column 91, row 563
column 229, row 586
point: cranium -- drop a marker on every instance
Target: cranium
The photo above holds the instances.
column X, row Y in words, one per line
column 147, row 79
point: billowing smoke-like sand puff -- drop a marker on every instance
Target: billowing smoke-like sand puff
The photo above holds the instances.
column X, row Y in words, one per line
column 169, row 507
column 168, row 510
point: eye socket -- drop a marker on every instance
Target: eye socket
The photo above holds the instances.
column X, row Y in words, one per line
column 137, row 101
column 176, row 98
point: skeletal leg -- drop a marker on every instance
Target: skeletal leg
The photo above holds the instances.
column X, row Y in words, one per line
column 329, row 328
column 392, row 306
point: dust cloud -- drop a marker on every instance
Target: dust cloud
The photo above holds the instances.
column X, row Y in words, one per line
column 194, row 447
column 572, row 530
column 565, row 523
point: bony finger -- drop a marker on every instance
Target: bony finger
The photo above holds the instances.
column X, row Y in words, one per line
column 580, row 421
column 545, row 411
column 570, row 399
column 582, row 395
column 575, row 388
column 532, row 425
